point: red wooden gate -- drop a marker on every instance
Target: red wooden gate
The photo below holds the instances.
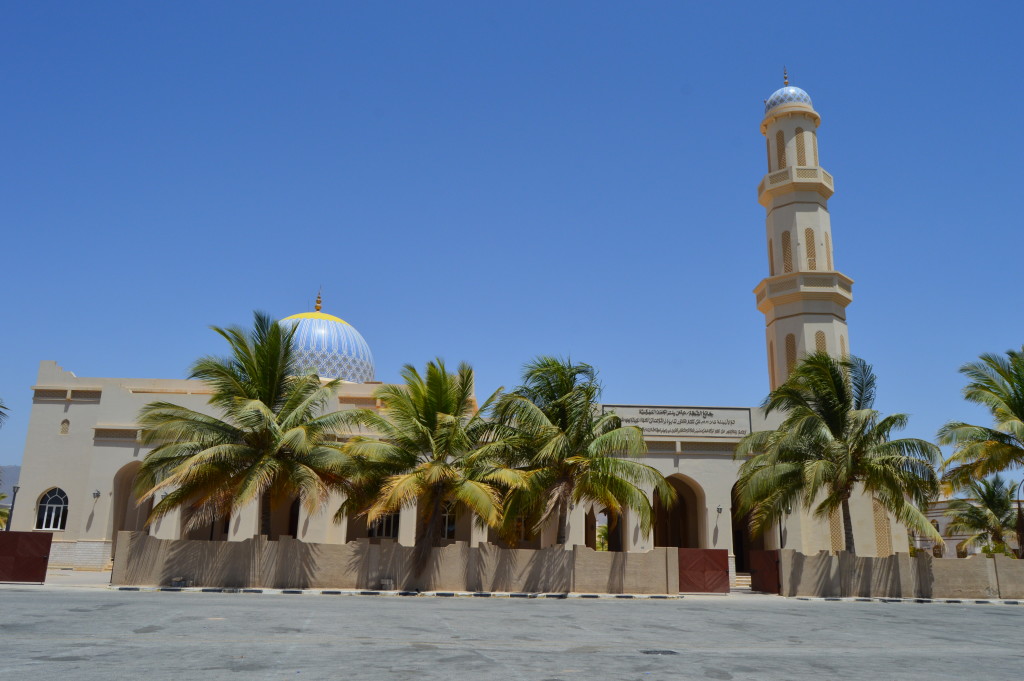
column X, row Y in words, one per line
column 704, row 571
column 764, row 571
column 24, row 556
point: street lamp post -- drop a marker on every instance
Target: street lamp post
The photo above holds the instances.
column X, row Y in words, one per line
column 10, row 513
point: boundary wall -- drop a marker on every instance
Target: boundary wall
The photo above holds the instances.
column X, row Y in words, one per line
column 843, row 575
column 142, row 560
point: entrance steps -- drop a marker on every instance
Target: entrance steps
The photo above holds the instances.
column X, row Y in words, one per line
column 742, row 584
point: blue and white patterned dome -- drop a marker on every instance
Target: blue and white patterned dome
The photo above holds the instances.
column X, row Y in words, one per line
column 787, row 95
column 331, row 346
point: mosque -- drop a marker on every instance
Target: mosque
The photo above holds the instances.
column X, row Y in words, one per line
column 83, row 449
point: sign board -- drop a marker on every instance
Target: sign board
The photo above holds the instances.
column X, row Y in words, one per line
column 699, row 422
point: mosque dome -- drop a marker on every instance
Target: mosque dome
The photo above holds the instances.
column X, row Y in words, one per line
column 331, row 346
column 787, row 95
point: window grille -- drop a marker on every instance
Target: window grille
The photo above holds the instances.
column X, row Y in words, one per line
column 787, row 253
column 801, row 149
column 53, row 510
column 448, row 521
column 828, row 251
column 812, row 254
column 790, row 353
column 385, row 526
column 780, row 149
column 819, row 341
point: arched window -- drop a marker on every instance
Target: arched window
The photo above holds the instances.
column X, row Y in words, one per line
column 53, row 510
column 448, row 521
column 771, row 363
column 819, row 341
column 768, row 152
column 828, row 251
column 883, row 530
column 65, row 426
column 787, row 253
column 771, row 259
column 790, row 353
column 780, row 149
column 812, row 252
column 801, row 148
column 814, row 147
column 842, row 346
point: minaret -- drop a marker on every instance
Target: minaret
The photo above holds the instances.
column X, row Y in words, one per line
column 804, row 298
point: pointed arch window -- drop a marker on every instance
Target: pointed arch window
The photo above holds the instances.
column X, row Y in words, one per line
column 814, row 146
column 53, row 510
column 842, row 346
column 828, row 251
column 790, row 353
column 771, row 364
column 780, row 149
column 801, row 148
column 787, row 253
column 771, row 259
column 768, row 152
column 65, row 426
column 812, row 253
column 448, row 521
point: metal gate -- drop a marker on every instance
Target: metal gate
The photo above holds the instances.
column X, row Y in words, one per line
column 764, row 571
column 704, row 571
column 24, row 556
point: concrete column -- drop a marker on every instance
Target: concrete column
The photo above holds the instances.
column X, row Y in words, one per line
column 477, row 533
column 407, row 526
column 167, row 527
column 245, row 524
column 320, row 528
column 575, row 530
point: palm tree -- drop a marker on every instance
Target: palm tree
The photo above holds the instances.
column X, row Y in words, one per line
column 831, row 442
column 572, row 453
column 988, row 516
column 433, row 449
column 270, row 436
column 996, row 383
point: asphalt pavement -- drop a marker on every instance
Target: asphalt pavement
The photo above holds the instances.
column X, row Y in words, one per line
column 87, row 632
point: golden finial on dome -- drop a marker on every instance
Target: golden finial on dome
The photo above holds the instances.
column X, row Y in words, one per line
column 319, row 301
column 785, row 76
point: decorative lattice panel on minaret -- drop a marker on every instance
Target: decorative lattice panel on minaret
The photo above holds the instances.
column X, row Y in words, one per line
column 835, row 527
column 883, row 530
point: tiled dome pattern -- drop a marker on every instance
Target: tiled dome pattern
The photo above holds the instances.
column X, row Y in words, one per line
column 331, row 346
column 787, row 95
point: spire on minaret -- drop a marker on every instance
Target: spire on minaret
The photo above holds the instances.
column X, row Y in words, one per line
column 785, row 76
column 319, row 301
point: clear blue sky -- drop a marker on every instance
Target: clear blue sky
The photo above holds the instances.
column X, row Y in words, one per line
column 488, row 182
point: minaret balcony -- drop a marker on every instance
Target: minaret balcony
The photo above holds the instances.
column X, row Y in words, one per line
column 832, row 287
column 794, row 179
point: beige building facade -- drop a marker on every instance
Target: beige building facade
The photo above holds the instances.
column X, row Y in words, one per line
column 83, row 449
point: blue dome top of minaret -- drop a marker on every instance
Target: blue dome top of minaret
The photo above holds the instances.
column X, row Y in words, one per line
column 787, row 94
column 331, row 346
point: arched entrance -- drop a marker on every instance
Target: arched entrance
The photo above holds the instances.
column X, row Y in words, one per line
column 681, row 525
column 743, row 541
column 279, row 518
column 128, row 515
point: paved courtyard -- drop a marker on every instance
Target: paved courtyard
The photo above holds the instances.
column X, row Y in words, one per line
column 91, row 633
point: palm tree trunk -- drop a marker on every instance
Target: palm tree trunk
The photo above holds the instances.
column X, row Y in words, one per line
column 848, row 526
column 426, row 535
column 563, row 520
